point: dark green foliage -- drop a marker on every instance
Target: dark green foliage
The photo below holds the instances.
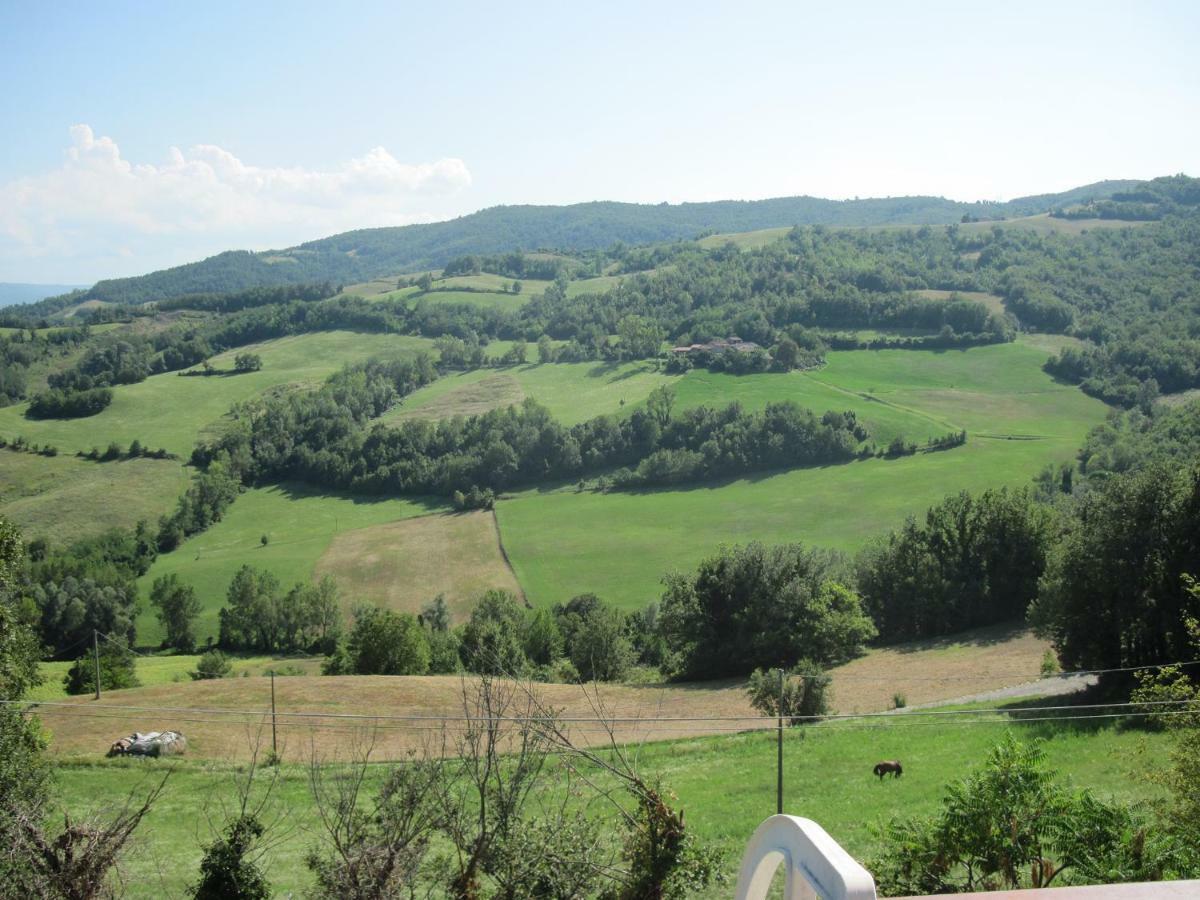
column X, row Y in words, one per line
column 238, row 300
column 974, row 560
column 598, row 644
column 176, row 606
column 755, row 606
column 1133, row 439
column 1011, row 825
column 247, row 362
column 24, row 775
column 212, row 664
column 69, row 404
column 382, row 642
column 803, row 697
column 71, row 609
column 259, row 616
column 1113, row 594
column 203, row 504
column 227, row 870
column 493, row 638
column 118, row 670
column 543, row 640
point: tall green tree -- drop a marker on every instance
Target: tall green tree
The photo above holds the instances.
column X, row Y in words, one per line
column 1113, row 594
column 754, row 606
column 176, row 607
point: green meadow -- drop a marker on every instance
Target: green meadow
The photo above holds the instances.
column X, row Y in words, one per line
column 485, row 299
column 299, row 525
column 726, row 785
column 172, row 669
column 172, row 410
column 563, row 542
column 63, row 498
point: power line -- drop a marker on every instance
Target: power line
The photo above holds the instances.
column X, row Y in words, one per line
column 447, row 717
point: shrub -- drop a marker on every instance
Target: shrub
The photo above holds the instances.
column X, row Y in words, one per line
column 804, row 694
column 228, row 871
column 213, row 664
column 117, row 671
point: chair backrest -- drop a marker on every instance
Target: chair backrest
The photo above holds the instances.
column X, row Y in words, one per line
column 817, row 866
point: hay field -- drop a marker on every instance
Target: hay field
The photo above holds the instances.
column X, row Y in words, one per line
column 403, row 565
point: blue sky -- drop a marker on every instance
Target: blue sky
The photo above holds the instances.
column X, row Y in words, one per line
column 140, row 135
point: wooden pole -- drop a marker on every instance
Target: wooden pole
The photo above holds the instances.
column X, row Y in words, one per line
column 96, row 655
column 779, row 742
column 274, row 740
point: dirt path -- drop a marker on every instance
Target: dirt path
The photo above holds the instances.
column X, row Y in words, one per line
column 1055, row 686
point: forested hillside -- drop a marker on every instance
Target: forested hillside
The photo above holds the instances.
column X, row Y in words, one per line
column 362, row 255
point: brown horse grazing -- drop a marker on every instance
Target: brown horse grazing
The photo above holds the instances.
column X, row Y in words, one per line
column 889, row 767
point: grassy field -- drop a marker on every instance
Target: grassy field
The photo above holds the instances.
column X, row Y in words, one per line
column 174, row 669
column 488, row 300
column 562, row 543
column 926, row 671
column 172, row 411
column 746, row 240
column 725, row 784
column 299, row 523
column 403, row 565
column 573, row 392
column 63, row 498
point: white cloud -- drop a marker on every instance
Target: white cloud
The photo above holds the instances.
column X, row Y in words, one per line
column 99, row 213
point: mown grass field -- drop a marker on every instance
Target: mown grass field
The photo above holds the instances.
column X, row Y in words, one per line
column 403, row 565
column 725, row 785
column 562, row 542
column 299, row 523
column 577, row 391
column 171, row 410
column 63, row 498
column 927, row 671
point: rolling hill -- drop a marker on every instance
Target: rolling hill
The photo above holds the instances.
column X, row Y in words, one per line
column 358, row 256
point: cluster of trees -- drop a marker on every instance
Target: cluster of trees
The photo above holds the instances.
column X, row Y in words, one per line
column 258, row 615
column 323, row 438
column 235, row 301
column 69, row 404
column 755, row 606
column 972, row 561
column 583, row 639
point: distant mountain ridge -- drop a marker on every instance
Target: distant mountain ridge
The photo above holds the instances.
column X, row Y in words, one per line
column 361, row 255
column 12, row 292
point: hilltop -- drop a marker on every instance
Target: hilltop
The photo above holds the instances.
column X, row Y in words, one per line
column 361, row 255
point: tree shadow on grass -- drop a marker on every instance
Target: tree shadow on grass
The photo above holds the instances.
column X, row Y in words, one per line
column 298, row 490
column 1074, row 714
column 987, row 636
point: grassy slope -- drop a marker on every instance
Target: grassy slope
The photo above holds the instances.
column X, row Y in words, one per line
column 171, row 410
column 403, row 565
column 725, row 784
column 487, row 300
column 64, row 498
column 562, row 543
column 300, row 524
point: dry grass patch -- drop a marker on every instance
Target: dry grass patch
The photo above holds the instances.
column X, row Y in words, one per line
column 471, row 398
column 985, row 659
column 402, row 714
column 403, row 565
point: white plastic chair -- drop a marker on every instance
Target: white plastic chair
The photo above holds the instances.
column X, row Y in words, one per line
column 817, row 866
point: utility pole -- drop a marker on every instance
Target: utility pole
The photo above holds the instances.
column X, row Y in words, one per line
column 274, row 741
column 96, row 656
column 779, row 764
